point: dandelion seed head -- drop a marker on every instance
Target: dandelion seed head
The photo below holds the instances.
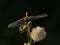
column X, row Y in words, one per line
column 38, row 34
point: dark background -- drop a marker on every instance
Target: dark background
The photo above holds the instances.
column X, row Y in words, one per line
column 11, row 10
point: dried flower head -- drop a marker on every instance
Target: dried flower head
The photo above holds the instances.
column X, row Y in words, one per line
column 23, row 27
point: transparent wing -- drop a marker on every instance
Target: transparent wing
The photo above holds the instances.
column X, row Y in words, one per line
column 16, row 23
column 21, row 21
column 38, row 16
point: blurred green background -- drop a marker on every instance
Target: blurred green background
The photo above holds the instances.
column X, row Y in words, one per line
column 12, row 10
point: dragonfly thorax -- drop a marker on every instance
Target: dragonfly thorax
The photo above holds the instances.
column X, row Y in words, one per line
column 26, row 19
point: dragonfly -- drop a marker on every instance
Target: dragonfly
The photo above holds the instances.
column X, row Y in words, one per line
column 22, row 20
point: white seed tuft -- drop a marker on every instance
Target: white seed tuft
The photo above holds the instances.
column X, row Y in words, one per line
column 38, row 33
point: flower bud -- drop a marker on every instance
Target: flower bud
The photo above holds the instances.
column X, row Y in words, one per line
column 26, row 43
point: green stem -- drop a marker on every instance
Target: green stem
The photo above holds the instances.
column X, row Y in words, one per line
column 28, row 33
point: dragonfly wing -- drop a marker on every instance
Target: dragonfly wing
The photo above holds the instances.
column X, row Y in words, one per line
column 16, row 23
column 38, row 16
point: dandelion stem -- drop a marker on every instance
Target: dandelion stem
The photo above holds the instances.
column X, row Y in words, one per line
column 28, row 32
